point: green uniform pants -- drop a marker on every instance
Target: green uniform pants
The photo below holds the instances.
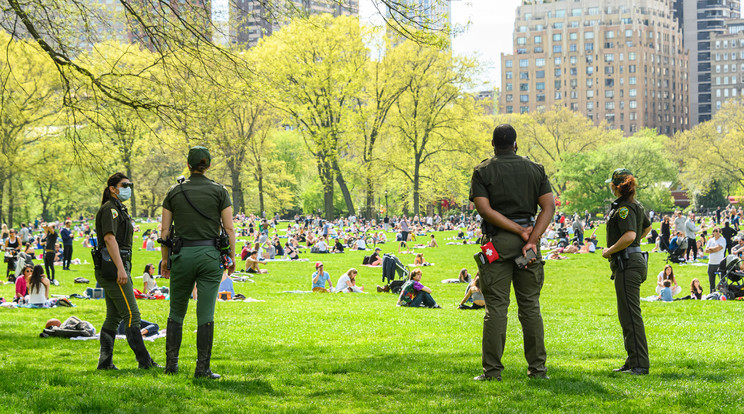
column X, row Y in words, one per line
column 628, row 292
column 495, row 280
column 198, row 266
column 121, row 306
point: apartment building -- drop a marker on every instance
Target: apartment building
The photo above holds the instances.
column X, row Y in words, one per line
column 619, row 61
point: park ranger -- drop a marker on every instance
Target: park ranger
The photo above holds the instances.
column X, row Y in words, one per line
column 506, row 191
column 627, row 225
column 113, row 266
column 202, row 244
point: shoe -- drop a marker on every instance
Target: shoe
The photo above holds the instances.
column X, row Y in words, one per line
column 105, row 360
column 436, row 307
column 484, row 377
column 173, row 335
column 380, row 289
column 204, row 340
column 134, row 338
column 55, row 283
column 636, row 371
column 621, row 369
column 541, row 376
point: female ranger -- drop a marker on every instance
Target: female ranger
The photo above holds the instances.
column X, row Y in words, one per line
column 627, row 225
column 113, row 264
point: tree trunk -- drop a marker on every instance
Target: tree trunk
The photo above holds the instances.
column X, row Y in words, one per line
column 10, row 201
column 2, row 190
column 344, row 188
column 259, row 173
column 237, row 189
column 416, row 183
column 325, row 172
column 134, row 204
column 370, row 195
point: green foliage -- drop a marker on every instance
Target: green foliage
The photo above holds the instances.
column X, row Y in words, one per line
column 583, row 175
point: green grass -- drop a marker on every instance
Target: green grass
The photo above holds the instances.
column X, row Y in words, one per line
column 360, row 353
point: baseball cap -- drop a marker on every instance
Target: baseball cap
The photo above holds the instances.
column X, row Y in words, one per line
column 377, row 249
column 318, row 264
column 618, row 176
column 199, row 155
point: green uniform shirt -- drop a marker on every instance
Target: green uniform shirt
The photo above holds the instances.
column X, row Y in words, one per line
column 626, row 216
column 511, row 183
column 114, row 218
column 209, row 196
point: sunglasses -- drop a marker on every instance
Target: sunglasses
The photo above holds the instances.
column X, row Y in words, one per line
column 129, row 185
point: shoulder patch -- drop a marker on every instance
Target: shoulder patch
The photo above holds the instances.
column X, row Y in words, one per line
column 623, row 212
column 114, row 213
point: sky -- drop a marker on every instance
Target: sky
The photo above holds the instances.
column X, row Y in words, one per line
column 488, row 24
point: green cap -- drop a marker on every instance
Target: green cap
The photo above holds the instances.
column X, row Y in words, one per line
column 618, row 176
column 199, row 155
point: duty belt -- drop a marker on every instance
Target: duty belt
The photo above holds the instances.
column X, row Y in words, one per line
column 198, row 243
column 625, row 252
column 524, row 222
column 633, row 250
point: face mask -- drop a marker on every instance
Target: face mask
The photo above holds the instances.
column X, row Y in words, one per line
column 125, row 193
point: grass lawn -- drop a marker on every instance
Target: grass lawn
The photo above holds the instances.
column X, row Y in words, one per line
column 360, row 353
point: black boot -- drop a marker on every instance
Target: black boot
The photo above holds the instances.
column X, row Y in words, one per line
column 204, row 338
column 134, row 337
column 106, row 359
column 173, row 334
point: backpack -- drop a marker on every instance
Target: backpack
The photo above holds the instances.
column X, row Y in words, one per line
column 81, row 280
column 396, row 286
column 365, row 261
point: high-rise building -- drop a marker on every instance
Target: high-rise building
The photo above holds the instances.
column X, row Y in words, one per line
column 250, row 20
column 432, row 15
column 700, row 19
column 620, row 61
column 727, row 64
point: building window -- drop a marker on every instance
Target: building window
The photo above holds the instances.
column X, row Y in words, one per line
column 540, row 86
column 574, row 71
column 525, row 87
column 590, row 93
column 632, row 80
column 538, row 39
column 557, row 73
column 632, row 93
column 524, row 75
column 557, row 49
column 557, row 37
column 524, row 98
column 521, row 40
column 589, row 83
column 633, row 104
column 573, row 36
column 609, row 57
column 557, row 96
column 574, row 95
column 628, row 33
column 509, row 63
column 557, row 61
column 557, row 84
column 609, row 94
column 509, row 86
column 573, row 48
column 523, row 63
column 509, row 97
column 509, row 75
column 540, row 74
column 524, row 109
column 589, row 35
column 589, row 47
column 509, row 109
column 540, row 62
column 575, row 12
column 590, row 106
column 610, row 83
column 540, row 97
column 631, row 68
column 609, row 106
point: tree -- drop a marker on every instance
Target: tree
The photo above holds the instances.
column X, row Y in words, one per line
column 315, row 67
column 712, row 151
column 583, row 174
column 554, row 136
column 28, row 97
column 372, row 106
column 433, row 116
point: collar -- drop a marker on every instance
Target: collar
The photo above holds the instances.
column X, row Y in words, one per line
column 505, row 153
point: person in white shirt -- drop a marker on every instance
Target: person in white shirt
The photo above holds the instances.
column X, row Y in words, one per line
column 716, row 248
column 347, row 282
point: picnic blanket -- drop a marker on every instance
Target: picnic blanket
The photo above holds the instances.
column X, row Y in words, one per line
column 160, row 334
